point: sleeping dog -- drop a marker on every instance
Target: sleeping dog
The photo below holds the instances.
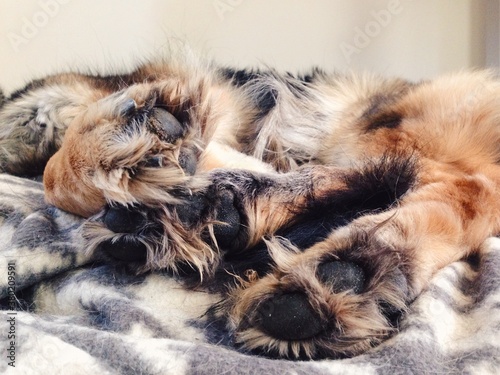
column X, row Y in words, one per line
column 319, row 205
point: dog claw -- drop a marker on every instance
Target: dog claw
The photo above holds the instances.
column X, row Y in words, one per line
column 128, row 107
column 154, row 162
column 398, row 279
column 188, row 161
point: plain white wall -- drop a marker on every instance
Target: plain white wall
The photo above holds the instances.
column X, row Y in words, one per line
column 492, row 32
column 412, row 38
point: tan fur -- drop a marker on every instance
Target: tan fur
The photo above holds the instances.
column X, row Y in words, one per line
column 450, row 125
column 317, row 133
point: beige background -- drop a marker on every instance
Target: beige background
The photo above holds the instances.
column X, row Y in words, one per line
column 413, row 38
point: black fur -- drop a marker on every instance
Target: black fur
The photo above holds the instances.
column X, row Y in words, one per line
column 389, row 120
column 314, row 75
column 374, row 188
column 240, row 77
column 264, row 96
column 33, row 85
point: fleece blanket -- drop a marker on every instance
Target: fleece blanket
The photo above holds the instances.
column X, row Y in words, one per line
column 63, row 312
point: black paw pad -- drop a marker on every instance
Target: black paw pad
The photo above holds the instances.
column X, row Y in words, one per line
column 194, row 210
column 230, row 218
column 190, row 211
column 165, row 125
column 122, row 220
column 342, row 276
column 289, row 317
column 127, row 251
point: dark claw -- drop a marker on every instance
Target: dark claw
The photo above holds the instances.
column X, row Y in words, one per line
column 289, row 317
column 188, row 161
column 122, row 220
column 165, row 125
column 398, row 279
column 154, row 162
column 229, row 215
column 342, row 276
column 128, row 107
column 124, row 250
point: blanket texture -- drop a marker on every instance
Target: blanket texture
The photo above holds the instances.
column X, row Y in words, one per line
column 66, row 313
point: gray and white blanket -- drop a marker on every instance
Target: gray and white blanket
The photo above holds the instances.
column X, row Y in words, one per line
column 65, row 313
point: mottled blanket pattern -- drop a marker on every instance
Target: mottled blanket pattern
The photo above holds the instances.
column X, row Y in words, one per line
column 66, row 313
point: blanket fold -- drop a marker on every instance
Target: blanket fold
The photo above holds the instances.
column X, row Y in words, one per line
column 63, row 312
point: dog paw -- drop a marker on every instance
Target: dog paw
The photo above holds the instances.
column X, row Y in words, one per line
column 325, row 302
column 128, row 148
column 191, row 234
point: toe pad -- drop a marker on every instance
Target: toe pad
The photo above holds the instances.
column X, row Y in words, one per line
column 289, row 317
column 342, row 276
column 122, row 220
column 125, row 251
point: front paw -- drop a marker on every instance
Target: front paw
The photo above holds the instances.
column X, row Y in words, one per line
column 127, row 148
column 189, row 235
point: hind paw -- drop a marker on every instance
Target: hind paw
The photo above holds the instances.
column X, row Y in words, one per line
column 333, row 300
